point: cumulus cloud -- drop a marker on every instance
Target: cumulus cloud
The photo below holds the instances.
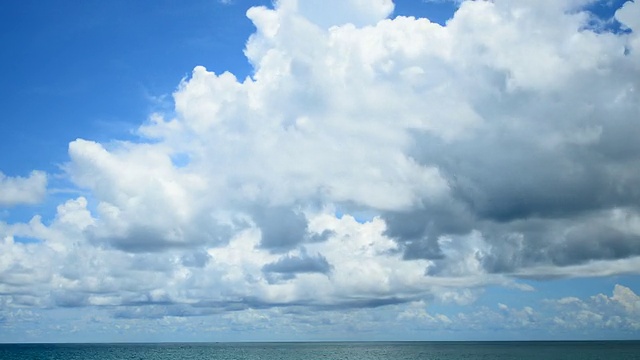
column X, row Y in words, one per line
column 619, row 311
column 23, row 190
column 500, row 146
column 587, row 316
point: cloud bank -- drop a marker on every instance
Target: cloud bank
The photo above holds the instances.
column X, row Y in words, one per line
column 367, row 161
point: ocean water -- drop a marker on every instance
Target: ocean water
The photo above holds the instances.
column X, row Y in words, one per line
column 584, row 350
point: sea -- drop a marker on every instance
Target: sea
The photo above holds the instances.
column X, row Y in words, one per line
column 548, row 350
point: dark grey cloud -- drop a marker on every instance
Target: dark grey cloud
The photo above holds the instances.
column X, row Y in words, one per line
column 153, row 238
column 157, row 310
column 304, row 306
column 197, row 259
column 417, row 231
column 323, row 236
column 69, row 299
column 288, row 266
column 282, row 228
column 366, row 303
column 594, row 242
column 227, row 305
column 141, row 239
column 536, row 179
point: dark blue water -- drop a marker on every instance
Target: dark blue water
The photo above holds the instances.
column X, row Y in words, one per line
column 611, row 350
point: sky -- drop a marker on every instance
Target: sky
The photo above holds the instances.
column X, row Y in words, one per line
column 249, row 170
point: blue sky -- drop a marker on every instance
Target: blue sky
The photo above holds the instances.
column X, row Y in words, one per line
column 242, row 170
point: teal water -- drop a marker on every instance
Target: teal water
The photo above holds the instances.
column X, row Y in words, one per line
column 585, row 350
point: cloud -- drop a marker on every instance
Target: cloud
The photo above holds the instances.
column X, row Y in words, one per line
column 619, row 311
column 20, row 190
column 618, row 314
column 281, row 228
column 498, row 147
column 549, row 153
column 628, row 15
column 288, row 266
column 417, row 311
column 335, row 12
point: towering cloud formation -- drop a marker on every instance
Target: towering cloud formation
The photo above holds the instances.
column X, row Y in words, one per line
column 502, row 145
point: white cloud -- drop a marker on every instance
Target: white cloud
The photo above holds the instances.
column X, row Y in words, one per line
column 416, row 311
column 501, row 145
column 20, row 190
column 621, row 311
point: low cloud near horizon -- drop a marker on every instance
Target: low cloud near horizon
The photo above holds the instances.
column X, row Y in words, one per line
column 368, row 163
